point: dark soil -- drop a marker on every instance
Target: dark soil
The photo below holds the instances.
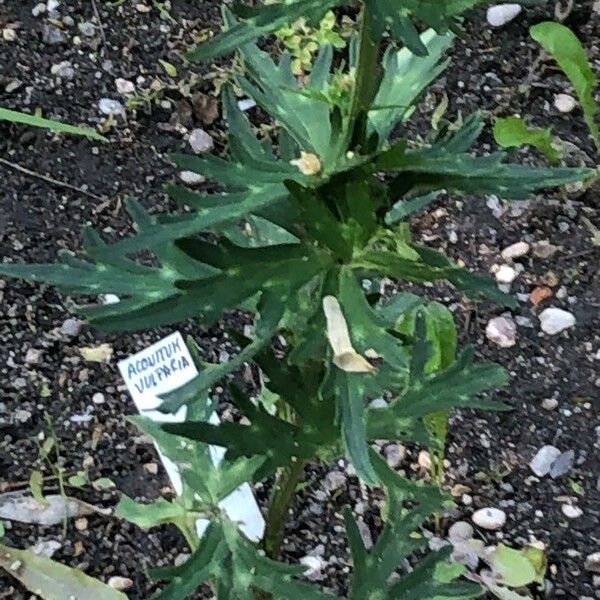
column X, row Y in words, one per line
column 492, row 71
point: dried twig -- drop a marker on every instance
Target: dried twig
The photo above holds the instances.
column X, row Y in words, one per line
column 100, row 26
column 48, row 179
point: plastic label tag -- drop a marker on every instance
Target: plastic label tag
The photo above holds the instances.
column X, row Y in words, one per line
column 162, row 368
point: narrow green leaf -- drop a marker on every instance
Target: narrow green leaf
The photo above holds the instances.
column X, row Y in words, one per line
column 566, row 49
column 50, row 580
column 35, row 121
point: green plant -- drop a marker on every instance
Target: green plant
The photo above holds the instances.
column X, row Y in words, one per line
column 566, row 49
column 14, row 116
column 303, row 41
column 301, row 226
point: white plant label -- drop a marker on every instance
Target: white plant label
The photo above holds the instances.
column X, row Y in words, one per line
column 162, row 368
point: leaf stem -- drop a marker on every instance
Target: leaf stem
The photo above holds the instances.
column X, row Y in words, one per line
column 367, row 78
column 283, row 494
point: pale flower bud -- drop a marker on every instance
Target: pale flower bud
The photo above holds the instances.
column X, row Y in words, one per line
column 309, row 164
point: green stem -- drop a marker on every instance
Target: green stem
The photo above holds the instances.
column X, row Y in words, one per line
column 283, row 494
column 367, row 79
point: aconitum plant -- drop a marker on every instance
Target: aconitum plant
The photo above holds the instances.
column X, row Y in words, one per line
column 302, row 222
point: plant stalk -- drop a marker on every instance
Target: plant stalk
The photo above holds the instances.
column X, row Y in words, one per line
column 283, row 494
column 367, row 79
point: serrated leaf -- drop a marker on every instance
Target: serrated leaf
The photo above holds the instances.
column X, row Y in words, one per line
column 405, row 77
column 430, row 170
column 513, row 132
column 566, row 49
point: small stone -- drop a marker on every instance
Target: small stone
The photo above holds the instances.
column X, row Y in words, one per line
column 539, row 294
column 87, row 29
column 394, row 454
column 334, row 480
column 466, row 499
column 63, row 69
column 549, row 403
column 592, row 562
column 501, row 14
column 515, row 251
column 52, row 35
column 81, row 524
column 460, row 531
column 71, row 327
column 544, row 249
column 151, row 467
column 120, row 583
column 98, row 398
column 22, row 416
column 200, row 141
column 52, row 5
column 9, row 35
column 314, row 567
column 108, row 106
column 108, row 299
column 424, row 460
column 191, row 178
column 489, row 518
column 38, row 9
column 142, row 8
column 33, row 356
column 571, row 512
column 554, row 320
column 124, row 86
column 46, row 548
column 540, row 464
column 502, row 331
column 563, row 464
column 505, row 274
column 378, row 403
column 246, row 104
column 564, row 103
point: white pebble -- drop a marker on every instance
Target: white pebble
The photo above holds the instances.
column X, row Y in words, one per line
column 540, row 464
column 98, row 398
column 502, row 331
column 554, row 320
column 460, row 531
column 124, row 86
column 564, row 103
column 246, row 104
column 38, row 9
column 108, row 106
column 63, row 69
column 109, row 299
column 515, row 251
column 191, row 178
column 120, row 583
column 592, row 562
column 549, row 403
column 33, row 356
column 570, row 511
column 314, row 567
column 489, row 518
column 200, row 141
column 501, row 14
column 505, row 274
